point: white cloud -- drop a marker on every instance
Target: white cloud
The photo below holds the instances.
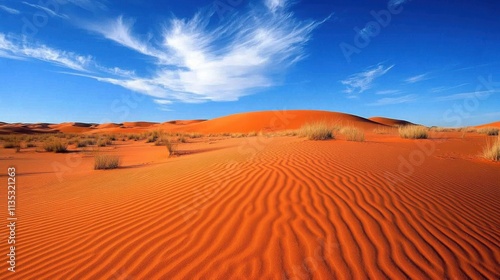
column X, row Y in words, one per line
column 90, row 5
column 192, row 61
column 120, row 31
column 395, row 3
column 47, row 10
column 162, row 101
column 274, row 5
column 363, row 81
column 9, row 10
column 466, row 95
column 417, row 78
column 15, row 49
column 388, row 91
column 394, row 100
column 443, row 88
column 196, row 62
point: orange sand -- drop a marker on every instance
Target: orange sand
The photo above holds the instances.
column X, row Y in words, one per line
column 261, row 208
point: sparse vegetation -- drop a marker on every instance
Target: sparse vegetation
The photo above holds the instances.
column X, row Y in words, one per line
column 492, row 151
column 413, row 132
column 381, row 130
column 171, row 147
column 9, row 145
column 55, row 145
column 353, row 134
column 317, row 131
column 490, row 131
column 30, row 145
column 106, row 162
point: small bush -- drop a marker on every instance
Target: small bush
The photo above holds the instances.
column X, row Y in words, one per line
column 171, row 147
column 106, row 162
column 353, row 134
column 492, row 152
column 10, row 145
column 55, row 145
column 317, row 131
column 491, row 131
column 195, row 135
column 413, row 132
column 104, row 142
column 30, row 145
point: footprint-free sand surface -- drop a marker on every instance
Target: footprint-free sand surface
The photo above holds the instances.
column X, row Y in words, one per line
column 260, row 207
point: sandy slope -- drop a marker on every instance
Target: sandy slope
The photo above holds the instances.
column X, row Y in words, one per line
column 262, row 208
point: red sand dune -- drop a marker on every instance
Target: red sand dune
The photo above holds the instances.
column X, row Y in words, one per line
column 184, row 122
column 108, row 125
column 138, row 124
column 493, row 124
column 390, row 122
column 274, row 120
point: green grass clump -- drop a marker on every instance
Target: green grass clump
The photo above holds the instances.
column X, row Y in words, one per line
column 413, row 132
column 317, row 131
column 106, row 162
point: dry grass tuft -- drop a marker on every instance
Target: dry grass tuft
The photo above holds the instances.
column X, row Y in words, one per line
column 55, row 145
column 413, row 132
column 317, row 131
column 106, row 162
column 353, row 134
column 492, row 151
column 490, row 131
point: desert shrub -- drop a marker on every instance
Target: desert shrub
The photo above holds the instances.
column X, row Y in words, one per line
column 252, row 134
column 55, row 145
column 492, row 151
column 413, row 132
column 10, row 145
column 171, row 147
column 237, row 135
column 491, row 131
column 104, row 142
column 353, row 134
column 30, row 145
column 182, row 139
column 106, row 162
column 317, row 131
column 195, row 135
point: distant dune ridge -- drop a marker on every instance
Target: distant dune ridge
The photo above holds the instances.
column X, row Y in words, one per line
column 237, row 123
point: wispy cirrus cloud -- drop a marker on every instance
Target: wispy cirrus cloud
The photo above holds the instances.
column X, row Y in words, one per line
column 47, row 10
column 195, row 62
column 447, row 88
column 394, row 100
column 17, row 49
column 9, row 10
column 89, row 5
column 192, row 60
column 388, row 92
column 417, row 78
column 360, row 82
column 395, row 3
column 274, row 5
column 466, row 95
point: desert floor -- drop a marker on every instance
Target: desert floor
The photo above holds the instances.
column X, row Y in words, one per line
column 260, row 207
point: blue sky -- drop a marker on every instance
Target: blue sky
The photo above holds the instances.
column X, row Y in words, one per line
column 113, row 61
